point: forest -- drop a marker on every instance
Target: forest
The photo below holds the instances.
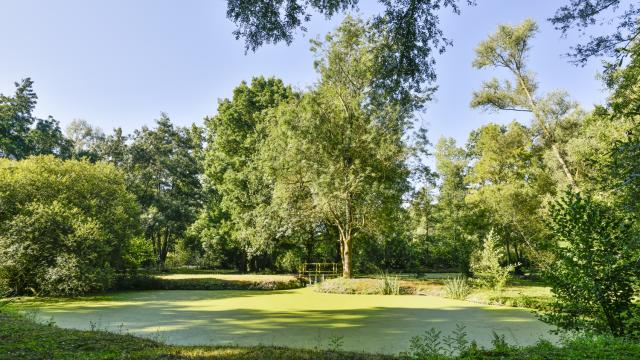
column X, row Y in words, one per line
column 340, row 172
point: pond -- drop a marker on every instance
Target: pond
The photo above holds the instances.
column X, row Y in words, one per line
column 293, row 318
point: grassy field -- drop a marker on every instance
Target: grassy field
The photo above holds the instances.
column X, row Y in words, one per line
column 300, row 318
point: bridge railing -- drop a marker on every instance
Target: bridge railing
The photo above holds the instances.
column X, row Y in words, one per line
column 316, row 272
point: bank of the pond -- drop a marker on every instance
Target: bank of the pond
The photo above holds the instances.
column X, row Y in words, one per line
column 300, row 318
column 205, row 281
column 517, row 293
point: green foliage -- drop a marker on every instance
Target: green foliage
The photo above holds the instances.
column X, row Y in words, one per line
column 21, row 133
column 344, row 151
column 240, row 218
column 596, row 269
column 486, row 264
column 388, row 285
column 433, row 346
column 455, row 223
column 65, row 226
column 162, row 170
column 457, row 288
column 84, row 138
column 150, row 282
column 406, row 34
column 510, row 183
column 140, row 252
column 508, row 48
column 584, row 14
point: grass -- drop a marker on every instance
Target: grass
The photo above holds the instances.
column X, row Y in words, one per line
column 300, row 318
column 517, row 293
column 210, row 281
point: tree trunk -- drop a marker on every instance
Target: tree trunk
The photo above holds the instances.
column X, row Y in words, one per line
column 554, row 146
column 565, row 168
column 346, row 256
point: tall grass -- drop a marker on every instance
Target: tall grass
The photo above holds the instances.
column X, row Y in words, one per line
column 388, row 285
column 457, row 288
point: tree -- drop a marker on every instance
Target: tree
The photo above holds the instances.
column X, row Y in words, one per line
column 18, row 139
column 486, row 265
column 346, row 151
column 509, row 181
column 455, row 221
column 583, row 14
column 113, row 148
column 237, row 184
column 508, row 48
column 46, row 138
column 16, row 120
column 84, row 138
column 596, row 269
column 410, row 29
column 164, row 174
column 65, row 226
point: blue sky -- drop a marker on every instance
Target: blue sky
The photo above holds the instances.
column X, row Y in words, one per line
column 119, row 63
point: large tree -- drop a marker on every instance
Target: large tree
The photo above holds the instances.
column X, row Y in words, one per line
column 509, row 180
column 552, row 113
column 21, row 133
column 163, row 172
column 455, row 222
column 237, row 184
column 84, row 138
column 345, row 150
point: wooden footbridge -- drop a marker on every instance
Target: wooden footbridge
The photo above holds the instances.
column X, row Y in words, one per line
column 317, row 272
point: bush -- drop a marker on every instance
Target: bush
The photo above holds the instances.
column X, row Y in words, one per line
column 150, row 282
column 457, row 288
column 486, row 266
column 64, row 225
column 367, row 286
column 595, row 268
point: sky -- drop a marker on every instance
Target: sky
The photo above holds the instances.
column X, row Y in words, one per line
column 119, row 63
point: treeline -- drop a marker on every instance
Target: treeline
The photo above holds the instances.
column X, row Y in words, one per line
column 279, row 177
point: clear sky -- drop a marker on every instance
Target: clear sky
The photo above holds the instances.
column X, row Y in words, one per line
column 121, row 62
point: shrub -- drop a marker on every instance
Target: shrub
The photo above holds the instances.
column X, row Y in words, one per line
column 486, row 266
column 64, row 225
column 150, row 282
column 595, row 268
column 457, row 288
